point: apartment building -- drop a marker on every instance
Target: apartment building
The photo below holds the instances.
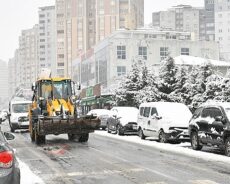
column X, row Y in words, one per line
column 182, row 18
column 47, row 39
column 222, row 27
column 64, row 37
column 113, row 57
column 209, row 19
column 3, row 82
column 28, row 53
column 81, row 24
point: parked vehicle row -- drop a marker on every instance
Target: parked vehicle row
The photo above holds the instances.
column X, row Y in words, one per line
column 173, row 122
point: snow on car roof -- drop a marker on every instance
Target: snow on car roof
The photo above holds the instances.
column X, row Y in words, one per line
column 169, row 109
column 214, row 103
column 21, row 102
column 99, row 111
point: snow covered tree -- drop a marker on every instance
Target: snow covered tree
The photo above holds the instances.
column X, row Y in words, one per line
column 181, row 92
column 131, row 85
column 167, row 80
column 150, row 91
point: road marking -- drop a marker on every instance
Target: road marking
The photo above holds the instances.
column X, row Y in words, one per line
column 202, row 182
column 103, row 172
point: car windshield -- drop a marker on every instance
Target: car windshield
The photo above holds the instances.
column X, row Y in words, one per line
column 20, row 108
column 46, row 89
column 62, row 89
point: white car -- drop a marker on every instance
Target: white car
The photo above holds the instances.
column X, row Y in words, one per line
column 165, row 121
column 123, row 120
column 19, row 114
column 102, row 114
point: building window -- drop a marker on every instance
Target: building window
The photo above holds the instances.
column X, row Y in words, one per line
column 60, row 64
column 60, row 55
column 185, row 51
column 142, row 51
column 121, row 52
column 121, row 70
column 164, row 52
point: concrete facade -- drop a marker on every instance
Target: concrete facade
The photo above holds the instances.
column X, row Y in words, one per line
column 182, row 18
column 114, row 56
column 47, row 39
column 3, row 82
column 222, row 27
column 28, row 56
column 209, row 19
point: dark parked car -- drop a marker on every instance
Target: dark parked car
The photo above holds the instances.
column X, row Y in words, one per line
column 210, row 125
column 9, row 169
column 123, row 120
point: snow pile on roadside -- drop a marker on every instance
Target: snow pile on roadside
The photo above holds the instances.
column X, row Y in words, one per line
column 27, row 176
column 174, row 148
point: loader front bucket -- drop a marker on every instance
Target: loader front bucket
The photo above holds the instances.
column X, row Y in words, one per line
column 70, row 125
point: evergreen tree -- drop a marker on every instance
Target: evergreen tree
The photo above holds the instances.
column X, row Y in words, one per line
column 131, row 85
column 168, row 80
column 150, row 91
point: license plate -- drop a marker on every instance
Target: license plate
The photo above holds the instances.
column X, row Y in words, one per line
column 24, row 123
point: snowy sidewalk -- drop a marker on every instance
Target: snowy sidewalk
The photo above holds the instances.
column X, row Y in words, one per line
column 27, row 176
column 182, row 148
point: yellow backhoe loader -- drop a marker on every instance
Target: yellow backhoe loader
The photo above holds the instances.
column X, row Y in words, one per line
column 54, row 110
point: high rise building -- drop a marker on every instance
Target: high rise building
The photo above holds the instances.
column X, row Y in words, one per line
column 81, row 24
column 182, row 18
column 64, row 36
column 112, row 15
column 209, row 19
column 47, row 39
column 28, row 50
column 3, row 82
column 222, row 28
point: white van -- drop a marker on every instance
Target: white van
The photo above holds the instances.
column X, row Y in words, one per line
column 19, row 114
column 165, row 121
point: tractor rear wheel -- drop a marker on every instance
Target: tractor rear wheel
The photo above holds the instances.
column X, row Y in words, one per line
column 84, row 137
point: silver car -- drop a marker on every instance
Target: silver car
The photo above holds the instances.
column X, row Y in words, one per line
column 102, row 114
column 9, row 169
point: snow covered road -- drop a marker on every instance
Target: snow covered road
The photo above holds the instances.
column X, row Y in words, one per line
column 208, row 154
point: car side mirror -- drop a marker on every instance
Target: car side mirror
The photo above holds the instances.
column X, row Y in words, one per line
column 9, row 114
column 78, row 86
column 158, row 117
column 33, row 86
column 9, row 136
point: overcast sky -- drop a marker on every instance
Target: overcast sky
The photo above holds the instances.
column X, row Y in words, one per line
column 16, row 15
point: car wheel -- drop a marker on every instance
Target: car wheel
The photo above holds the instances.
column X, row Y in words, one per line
column 71, row 137
column 119, row 130
column 141, row 133
column 32, row 134
column 195, row 142
column 39, row 139
column 84, row 137
column 108, row 130
column 227, row 147
column 12, row 128
column 162, row 137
